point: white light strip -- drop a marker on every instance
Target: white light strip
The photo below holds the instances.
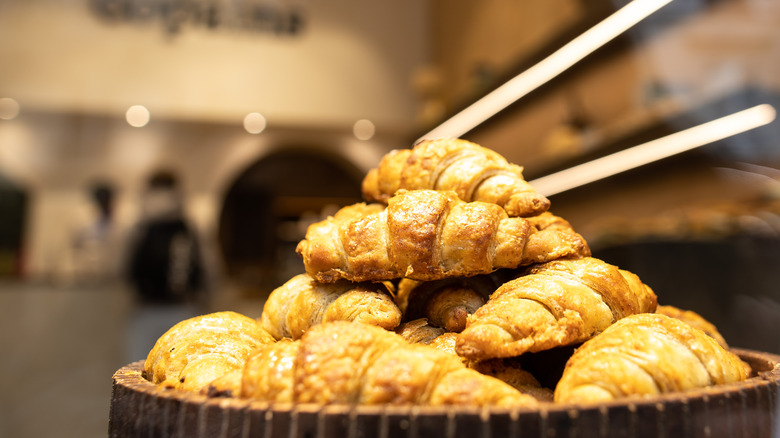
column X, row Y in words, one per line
column 548, row 68
column 663, row 147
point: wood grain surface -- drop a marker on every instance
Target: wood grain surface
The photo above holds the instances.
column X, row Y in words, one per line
column 748, row 409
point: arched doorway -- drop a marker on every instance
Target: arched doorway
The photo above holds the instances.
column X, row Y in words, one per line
column 266, row 210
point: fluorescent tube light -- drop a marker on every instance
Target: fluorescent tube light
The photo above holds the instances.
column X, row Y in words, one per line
column 654, row 150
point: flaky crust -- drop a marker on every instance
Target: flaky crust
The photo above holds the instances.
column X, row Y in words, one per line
column 348, row 363
column 514, row 375
column 303, row 302
column 198, row 350
column 429, row 235
column 269, row 373
column 646, row 354
column 419, row 331
column 509, row 372
column 445, row 303
column 553, row 304
column 473, row 172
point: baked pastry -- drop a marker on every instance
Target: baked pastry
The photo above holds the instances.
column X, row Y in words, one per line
column 227, row 385
column 196, row 351
column 509, row 372
column 302, row 302
column 646, row 354
column 419, row 331
column 512, row 373
column 553, row 304
column 473, row 172
column 269, row 372
column 346, row 363
column 444, row 303
column 695, row 320
column 429, row 235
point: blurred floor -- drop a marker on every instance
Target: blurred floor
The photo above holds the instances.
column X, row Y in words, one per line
column 60, row 347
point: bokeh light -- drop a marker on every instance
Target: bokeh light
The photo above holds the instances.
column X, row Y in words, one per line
column 9, row 108
column 363, row 129
column 254, row 123
column 137, row 116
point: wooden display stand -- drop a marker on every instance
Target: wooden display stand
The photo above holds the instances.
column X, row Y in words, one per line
column 749, row 409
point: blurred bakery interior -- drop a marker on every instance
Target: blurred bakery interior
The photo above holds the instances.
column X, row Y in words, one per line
column 250, row 119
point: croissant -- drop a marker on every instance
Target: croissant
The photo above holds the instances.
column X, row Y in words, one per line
column 447, row 303
column 429, row 235
column 419, row 331
column 196, row 351
column 511, row 373
column 553, row 304
column 695, row 320
column 444, row 303
column 227, row 385
column 268, row 373
column 646, row 354
column 475, row 173
column 302, row 302
column 346, row 363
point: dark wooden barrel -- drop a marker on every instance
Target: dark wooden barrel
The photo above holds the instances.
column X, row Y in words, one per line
column 749, row 409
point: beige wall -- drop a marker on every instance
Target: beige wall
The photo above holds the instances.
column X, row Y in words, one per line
column 493, row 33
column 353, row 60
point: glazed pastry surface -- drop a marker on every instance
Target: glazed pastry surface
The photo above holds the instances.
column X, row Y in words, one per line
column 429, row 235
column 509, row 372
column 444, row 303
column 198, row 350
column 473, row 172
column 419, row 331
column 553, row 304
column 646, row 354
column 348, row 363
column 269, row 372
column 303, row 302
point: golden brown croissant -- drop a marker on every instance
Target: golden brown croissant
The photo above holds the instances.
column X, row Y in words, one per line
column 347, row 363
column 553, row 304
column 302, row 302
column 444, row 303
column 514, row 375
column 475, row 173
column 419, row 331
column 430, row 235
column 447, row 303
column 227, row 385
column 268, row 373
column 196, row 351
column 646, row 354
column 695, row 320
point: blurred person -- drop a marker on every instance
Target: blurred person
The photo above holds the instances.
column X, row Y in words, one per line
column 165, row 268
column 89, row 256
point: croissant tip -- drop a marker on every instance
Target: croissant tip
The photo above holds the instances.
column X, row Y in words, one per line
column 457, row 321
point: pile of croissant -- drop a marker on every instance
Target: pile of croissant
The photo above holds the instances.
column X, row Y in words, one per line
column 453, row 284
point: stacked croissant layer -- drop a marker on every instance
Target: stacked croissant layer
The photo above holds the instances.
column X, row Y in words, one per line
column 448, row 286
